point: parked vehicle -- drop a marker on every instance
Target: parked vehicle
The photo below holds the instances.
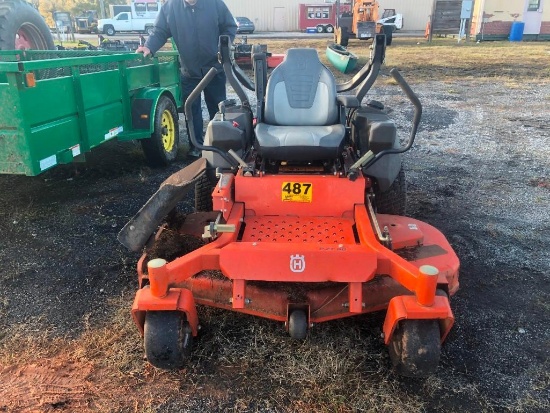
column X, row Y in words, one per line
column 60, row 104
column 87, row 22
column 320, row 17
column 244, row 25
column 140, row 18
column 364, row 22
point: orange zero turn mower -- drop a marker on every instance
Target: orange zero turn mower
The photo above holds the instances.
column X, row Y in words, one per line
column 300, row 202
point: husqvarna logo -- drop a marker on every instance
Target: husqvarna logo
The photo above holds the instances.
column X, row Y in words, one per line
column 297, row 263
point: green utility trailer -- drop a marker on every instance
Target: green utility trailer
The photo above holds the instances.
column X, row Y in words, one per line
column 58, row 105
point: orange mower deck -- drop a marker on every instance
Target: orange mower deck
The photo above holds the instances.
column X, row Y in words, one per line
column 286, row 251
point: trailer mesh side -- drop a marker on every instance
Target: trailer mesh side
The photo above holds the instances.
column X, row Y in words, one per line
column 62, row 66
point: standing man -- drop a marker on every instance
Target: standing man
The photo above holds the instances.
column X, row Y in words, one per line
column 195, row 26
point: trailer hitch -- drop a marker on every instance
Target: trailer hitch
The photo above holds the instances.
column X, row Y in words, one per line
column 369, row 158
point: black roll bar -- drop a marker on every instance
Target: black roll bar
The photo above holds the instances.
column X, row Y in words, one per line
column 370, row 158
column 196, row 93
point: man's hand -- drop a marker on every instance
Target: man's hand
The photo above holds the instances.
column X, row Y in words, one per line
column 145, row 50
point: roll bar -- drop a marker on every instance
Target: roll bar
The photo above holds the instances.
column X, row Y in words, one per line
column 196, row 93
column 367, row 75
column 369, row 158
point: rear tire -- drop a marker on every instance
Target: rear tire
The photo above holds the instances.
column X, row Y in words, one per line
column 320, row 29
column 22, row 27
column 415, row 348
column 162, row 147
column 149, row 30
column 330, row 28
column 394, row 200
column 203, row 192
column 109, row 30
column 167, row 339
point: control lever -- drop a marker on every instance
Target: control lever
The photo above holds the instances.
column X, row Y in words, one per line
column 225, row 104
column 221, row 109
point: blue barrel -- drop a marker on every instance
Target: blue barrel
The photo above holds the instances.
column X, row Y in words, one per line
column 516, row 31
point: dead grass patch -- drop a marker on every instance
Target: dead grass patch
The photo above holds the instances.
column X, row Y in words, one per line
column 445, row 59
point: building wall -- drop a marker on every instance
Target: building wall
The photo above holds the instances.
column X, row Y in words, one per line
column 262, row 12
column 497, row 16
column 415, row 13
column 493, row 18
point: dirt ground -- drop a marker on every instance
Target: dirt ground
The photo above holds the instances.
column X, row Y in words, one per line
column 479, row 171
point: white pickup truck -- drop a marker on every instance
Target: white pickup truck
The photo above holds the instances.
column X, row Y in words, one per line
column 125, row 22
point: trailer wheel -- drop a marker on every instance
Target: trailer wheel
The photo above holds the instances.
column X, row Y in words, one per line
column 415, row 348
column 167, row 339
column 203, row 192
column 394, row 200
column 297, row 324
column 109, row 30
column 162, row 147
column 22, row 27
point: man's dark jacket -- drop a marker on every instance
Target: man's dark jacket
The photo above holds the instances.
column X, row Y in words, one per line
column 195, row 30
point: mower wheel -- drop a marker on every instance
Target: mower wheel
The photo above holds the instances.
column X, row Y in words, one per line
column 162, row 147
column 203, row 192
column 415, row 348
column 167, row 339
column 297, row 324
column 394, row 200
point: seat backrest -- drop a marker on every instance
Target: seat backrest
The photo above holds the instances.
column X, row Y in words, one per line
column 301, row 91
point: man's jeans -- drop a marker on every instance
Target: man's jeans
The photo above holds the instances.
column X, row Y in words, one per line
column 214, row 93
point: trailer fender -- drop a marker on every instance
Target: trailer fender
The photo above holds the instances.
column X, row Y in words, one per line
column 144, row 105
column 177, row 299
column 406, row 307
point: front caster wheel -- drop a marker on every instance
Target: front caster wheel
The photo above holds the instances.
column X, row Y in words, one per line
column 415, row 348
column 167, row 339
column 297, row 324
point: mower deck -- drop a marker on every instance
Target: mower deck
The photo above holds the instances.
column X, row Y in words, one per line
column 328, row 266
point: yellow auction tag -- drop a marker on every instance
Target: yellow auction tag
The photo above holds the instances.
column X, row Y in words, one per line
column 297, row 192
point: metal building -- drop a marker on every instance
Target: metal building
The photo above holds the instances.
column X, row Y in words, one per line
column 493, row 19
column 282, row 15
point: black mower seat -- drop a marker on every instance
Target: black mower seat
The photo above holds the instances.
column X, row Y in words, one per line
column 301, row 119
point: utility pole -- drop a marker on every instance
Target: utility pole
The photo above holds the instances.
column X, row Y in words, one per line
column 102, row 8
column 432, row 20
column 337, row 21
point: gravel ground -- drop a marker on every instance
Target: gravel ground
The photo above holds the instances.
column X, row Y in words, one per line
column 479, row 171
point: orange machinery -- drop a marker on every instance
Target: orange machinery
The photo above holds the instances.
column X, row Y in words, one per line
column 362, row 22
column 292, row 229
